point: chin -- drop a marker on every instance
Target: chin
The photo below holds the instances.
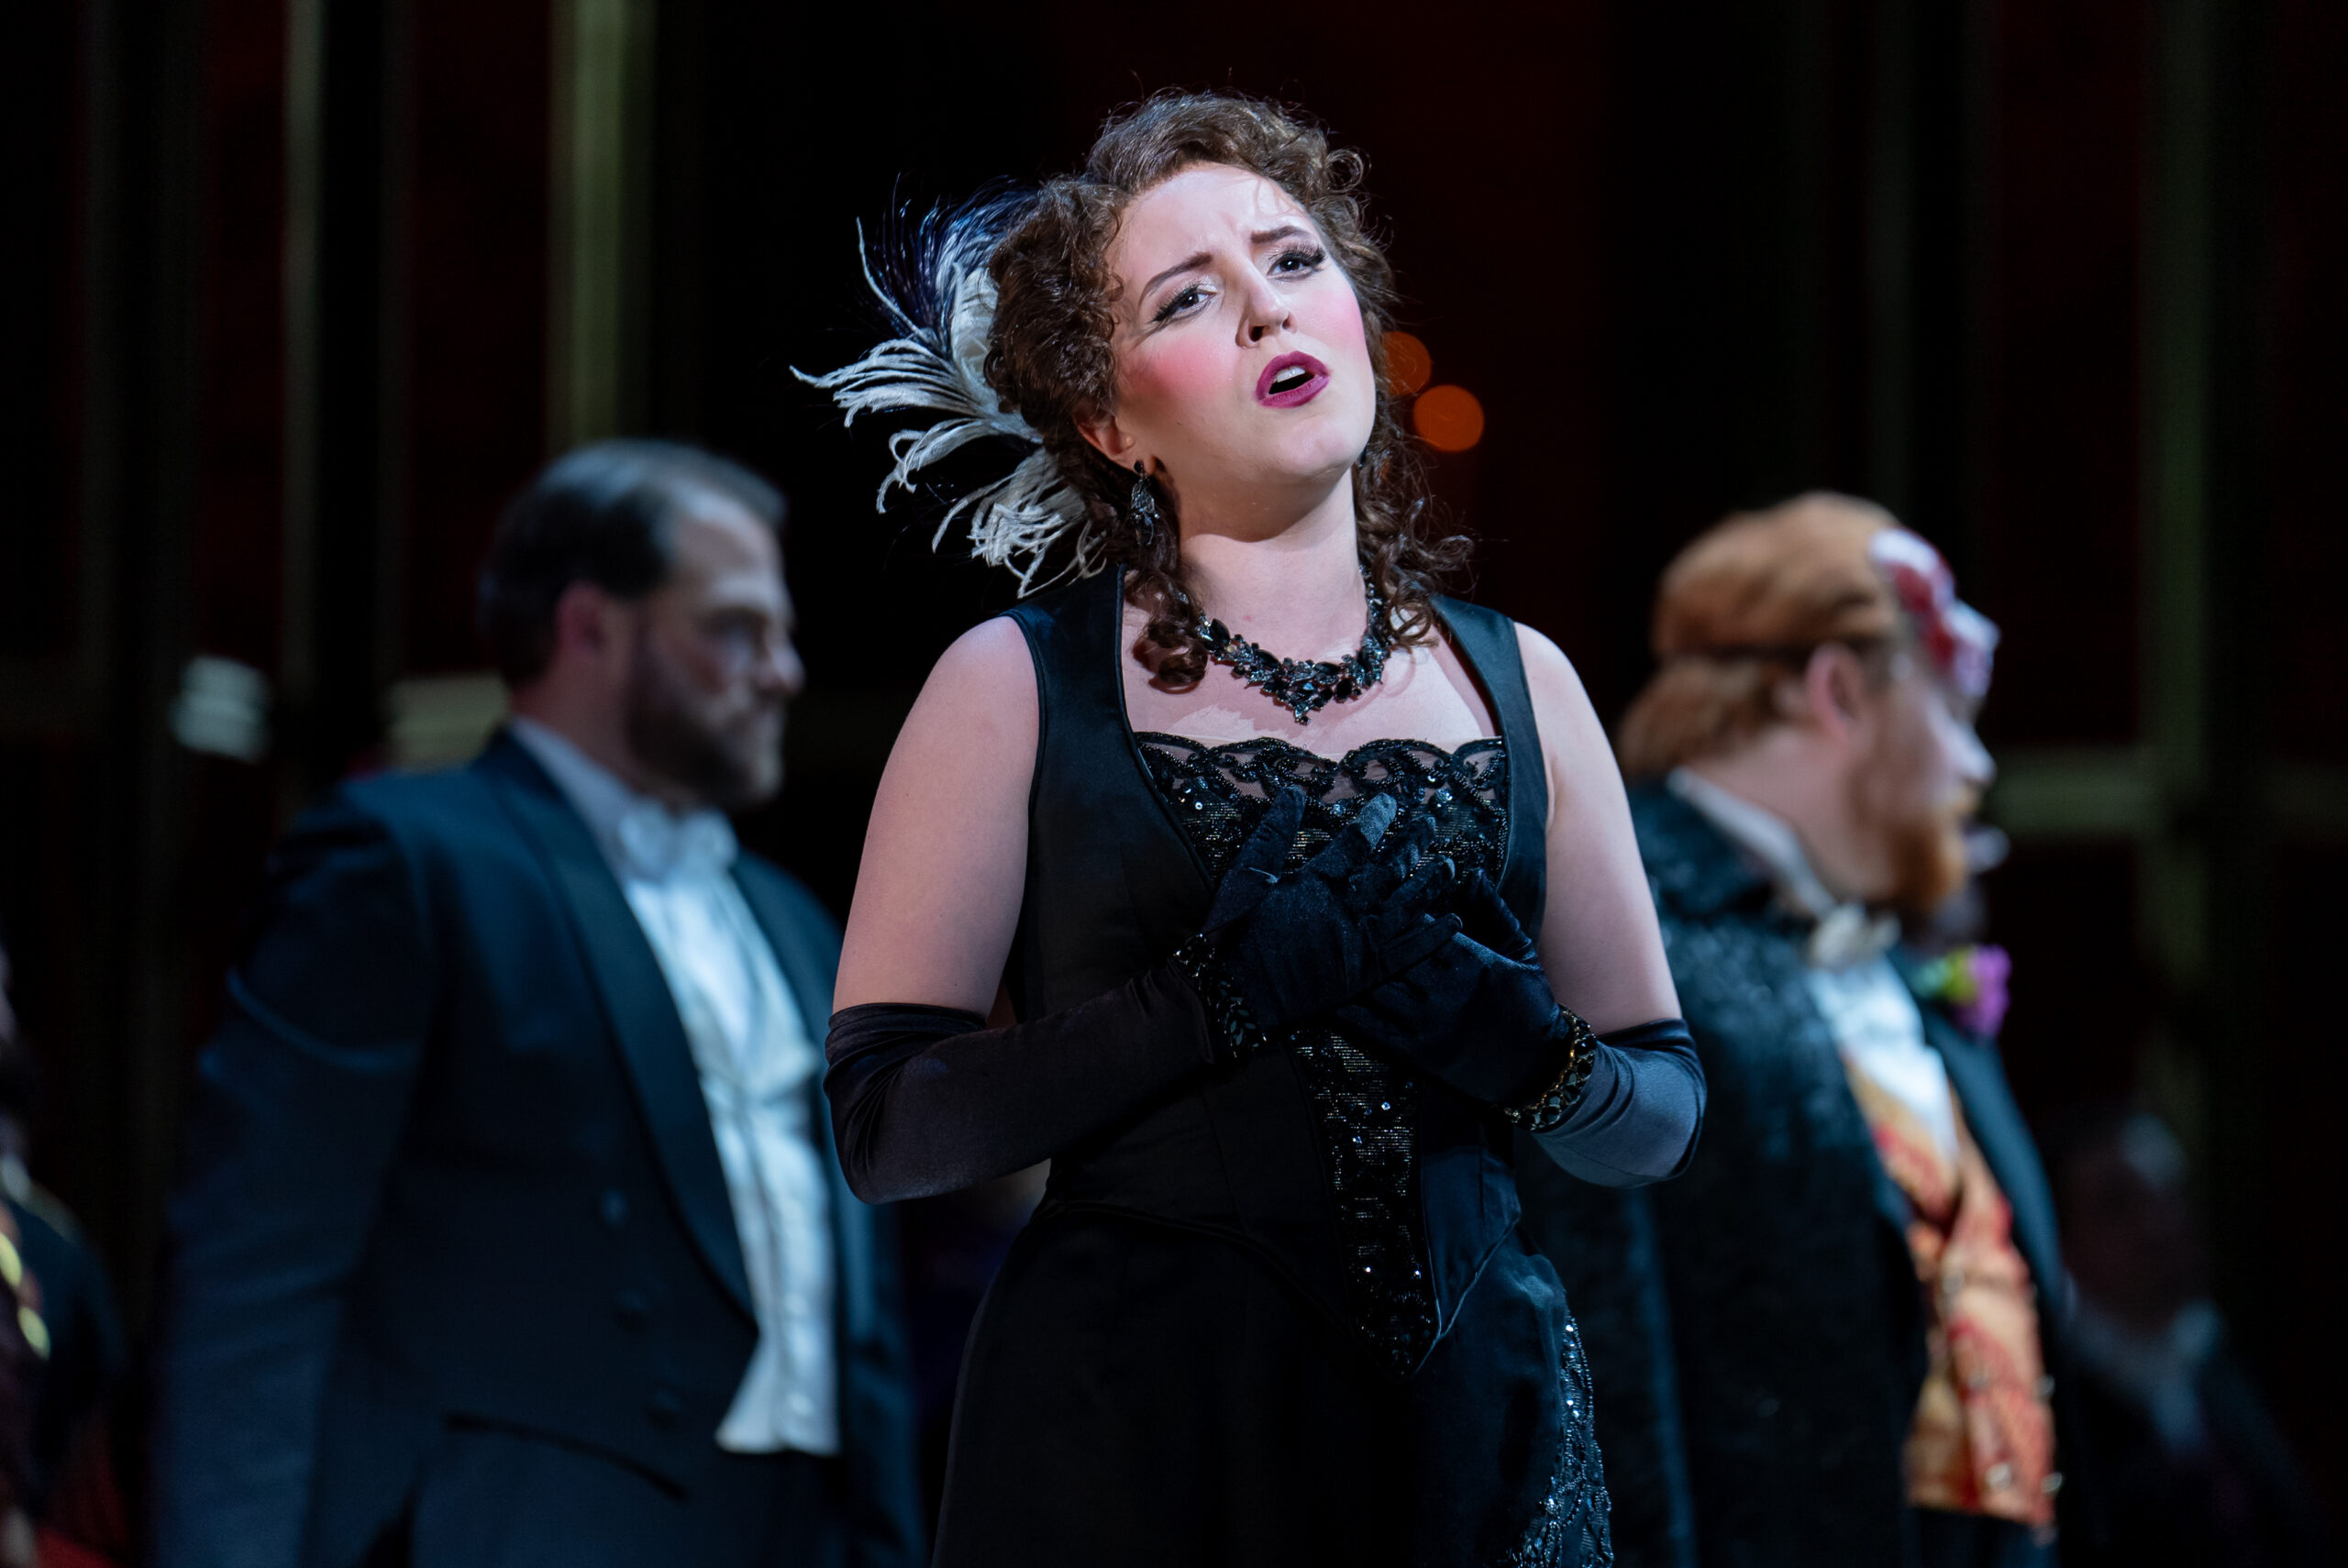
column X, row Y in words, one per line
column 1318, row 453
column 742, row 787
column 757, row 774
column 1929, row 865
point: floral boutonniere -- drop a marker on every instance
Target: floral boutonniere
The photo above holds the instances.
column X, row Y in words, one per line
column 1971, row 983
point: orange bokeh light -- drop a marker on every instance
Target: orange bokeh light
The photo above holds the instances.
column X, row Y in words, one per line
column 1408, row 364
column 1449, row 419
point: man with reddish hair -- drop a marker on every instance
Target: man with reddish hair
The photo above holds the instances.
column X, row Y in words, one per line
column 1830, row 1342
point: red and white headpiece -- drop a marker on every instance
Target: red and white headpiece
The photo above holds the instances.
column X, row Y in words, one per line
column 1957, row 639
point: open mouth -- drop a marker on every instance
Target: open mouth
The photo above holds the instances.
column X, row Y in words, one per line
column 1290, row 380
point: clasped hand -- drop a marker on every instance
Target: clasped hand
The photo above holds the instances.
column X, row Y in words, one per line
column 1400, row 952
column 1476, row 1013
column 1361, row 911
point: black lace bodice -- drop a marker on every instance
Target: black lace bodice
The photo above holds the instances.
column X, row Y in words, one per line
column 1365, row 1108
column 1221, row 791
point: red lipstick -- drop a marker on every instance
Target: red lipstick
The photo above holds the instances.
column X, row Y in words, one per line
column 1291, row 380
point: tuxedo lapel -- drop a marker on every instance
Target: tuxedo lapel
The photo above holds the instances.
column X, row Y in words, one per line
column 810, row 963
column 638, row 1002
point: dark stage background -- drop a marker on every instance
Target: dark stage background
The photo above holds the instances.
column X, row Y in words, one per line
column 302, row 289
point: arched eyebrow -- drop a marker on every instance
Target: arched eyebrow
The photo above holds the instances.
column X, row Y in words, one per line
column 1187, row 263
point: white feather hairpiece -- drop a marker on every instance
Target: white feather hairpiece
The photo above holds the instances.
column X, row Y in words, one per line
column 942, row 304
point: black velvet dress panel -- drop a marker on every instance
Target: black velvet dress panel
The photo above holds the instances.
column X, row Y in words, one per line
column 1283, row 1315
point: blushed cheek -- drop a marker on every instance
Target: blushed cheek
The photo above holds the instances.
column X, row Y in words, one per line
column 1333, row 319
column 1171, row 377
column 1334, row 316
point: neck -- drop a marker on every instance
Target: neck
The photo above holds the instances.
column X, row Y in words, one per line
column 1295, row 589
column 1785, row 772
column 601, row 735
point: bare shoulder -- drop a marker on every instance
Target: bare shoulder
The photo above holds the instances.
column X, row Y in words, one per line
column 939, row 891
column 1599, row 940
column 1570, row 732
column 988, row 666
column 1547, row 670
column 980, row 693
column 995, row 645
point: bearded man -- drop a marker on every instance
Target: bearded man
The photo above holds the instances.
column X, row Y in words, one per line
column 1830, row 1342
column 510, row 1229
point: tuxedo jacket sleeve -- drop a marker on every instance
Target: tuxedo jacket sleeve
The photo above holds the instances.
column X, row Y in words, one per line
column 296, row 1115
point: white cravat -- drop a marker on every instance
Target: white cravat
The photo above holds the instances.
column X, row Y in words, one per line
column 757, row 1061
column 1868, row 1007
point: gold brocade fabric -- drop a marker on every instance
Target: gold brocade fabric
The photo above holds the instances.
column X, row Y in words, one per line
column 1983, row 1442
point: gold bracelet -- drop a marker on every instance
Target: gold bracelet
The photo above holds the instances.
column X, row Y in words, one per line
column 1548, row 1110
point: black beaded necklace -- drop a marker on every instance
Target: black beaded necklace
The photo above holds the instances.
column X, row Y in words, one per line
column 1305, row 686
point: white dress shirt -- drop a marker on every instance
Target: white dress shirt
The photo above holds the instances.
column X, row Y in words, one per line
column 756, row 1064
column 1868, row 1007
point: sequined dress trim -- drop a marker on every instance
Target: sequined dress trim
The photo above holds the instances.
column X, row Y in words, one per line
column 1365, row 1110
column 1574, row 1528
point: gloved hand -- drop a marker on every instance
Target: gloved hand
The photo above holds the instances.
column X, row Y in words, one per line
column 1365, row 909
column 1476, row 1013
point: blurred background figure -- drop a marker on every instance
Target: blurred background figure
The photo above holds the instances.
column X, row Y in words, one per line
column 2193, row 1471
column 64, row 1384
column 22, row 1350
column 1830, row 1342
column 510, row 1231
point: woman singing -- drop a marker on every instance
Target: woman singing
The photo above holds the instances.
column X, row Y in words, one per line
column 1279, row 863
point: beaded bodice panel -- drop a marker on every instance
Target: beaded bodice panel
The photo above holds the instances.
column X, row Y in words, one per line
column 1365, row 1109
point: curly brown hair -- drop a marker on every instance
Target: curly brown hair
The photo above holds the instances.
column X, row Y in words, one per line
column 1050, row 356
column 1741, row 610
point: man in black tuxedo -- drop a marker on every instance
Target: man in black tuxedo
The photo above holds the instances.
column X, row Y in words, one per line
column 510, row 1230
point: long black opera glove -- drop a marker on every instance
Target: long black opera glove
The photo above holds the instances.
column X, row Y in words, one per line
column 1367, row 907
column 928, row 1100
column 1640, row 1110
column 1478, row 1015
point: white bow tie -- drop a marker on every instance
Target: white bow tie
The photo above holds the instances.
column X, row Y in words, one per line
column 1846, row 936
column 659, row 844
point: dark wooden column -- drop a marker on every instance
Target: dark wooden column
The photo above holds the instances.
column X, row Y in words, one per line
column 347, row 140
column 112, row 955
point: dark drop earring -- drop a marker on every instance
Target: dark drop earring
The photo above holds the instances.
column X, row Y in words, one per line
column 1144, row 505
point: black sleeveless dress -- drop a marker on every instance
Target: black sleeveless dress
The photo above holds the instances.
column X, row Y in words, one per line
column 1283, row 1314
